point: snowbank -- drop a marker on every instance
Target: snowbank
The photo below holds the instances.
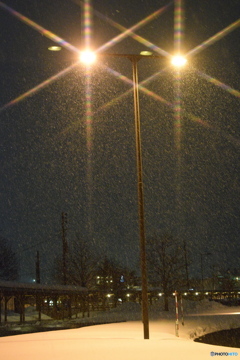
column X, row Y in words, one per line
column 112, row 341
column 199, row 317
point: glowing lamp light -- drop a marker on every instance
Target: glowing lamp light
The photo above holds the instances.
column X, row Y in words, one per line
column 87, row 57
column 146, row 53
column 54, row 48
column 178, row 61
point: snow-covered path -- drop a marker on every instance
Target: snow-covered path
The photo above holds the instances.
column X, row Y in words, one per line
column 124, row 340
column 112, row 341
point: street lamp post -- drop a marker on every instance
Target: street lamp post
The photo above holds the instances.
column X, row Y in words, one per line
column 145, row 320
column 134, row 60
column 89, row 57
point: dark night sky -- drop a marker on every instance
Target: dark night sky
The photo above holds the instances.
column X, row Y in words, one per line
column 46, row 167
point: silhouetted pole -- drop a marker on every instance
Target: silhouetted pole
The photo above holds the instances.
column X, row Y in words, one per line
column 64, row 248
column 186, row 263
column 38, row 268
column 203, row 254
column 38, row 280
column 134, row 60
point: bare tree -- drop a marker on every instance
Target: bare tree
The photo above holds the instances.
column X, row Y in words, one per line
column 8, row 261
column 81, row 264
column 166, row 264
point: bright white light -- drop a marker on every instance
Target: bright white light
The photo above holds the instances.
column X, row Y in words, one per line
column 87, row 57
column 178, row 60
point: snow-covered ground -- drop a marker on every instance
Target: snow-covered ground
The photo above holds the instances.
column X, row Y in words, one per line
column 124, row 340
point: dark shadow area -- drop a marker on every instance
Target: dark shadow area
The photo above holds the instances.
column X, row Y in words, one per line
column 230, row 338
column 229, row 302
column 30, row 328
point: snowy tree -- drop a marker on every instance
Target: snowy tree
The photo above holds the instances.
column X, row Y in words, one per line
column 166, row 264
column 8, row 261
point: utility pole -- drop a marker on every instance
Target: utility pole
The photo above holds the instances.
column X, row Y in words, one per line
column 64, row 247
column 38, row 268
column 186, row 263
column 203, row 254
column 38, row 297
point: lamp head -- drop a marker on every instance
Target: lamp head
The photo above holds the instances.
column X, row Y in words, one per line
column 54, row 48
column 178, row 61
column 87, row 57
